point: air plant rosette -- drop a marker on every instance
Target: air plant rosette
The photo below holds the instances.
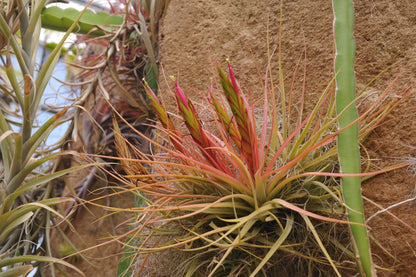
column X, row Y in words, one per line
column 245, row 197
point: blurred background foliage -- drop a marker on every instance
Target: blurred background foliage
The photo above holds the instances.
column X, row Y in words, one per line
column 111, row 51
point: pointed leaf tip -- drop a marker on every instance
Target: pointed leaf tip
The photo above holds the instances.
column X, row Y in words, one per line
column 150, row 92
column 181, row 95
column 144, row 82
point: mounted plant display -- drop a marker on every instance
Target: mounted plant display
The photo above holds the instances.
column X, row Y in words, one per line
column 231, row 183
column 245, row 188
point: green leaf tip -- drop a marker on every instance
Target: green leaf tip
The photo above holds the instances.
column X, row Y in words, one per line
column 145, row 82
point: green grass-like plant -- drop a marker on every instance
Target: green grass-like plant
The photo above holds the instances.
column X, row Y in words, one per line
column 28, row 168
column 249, row 189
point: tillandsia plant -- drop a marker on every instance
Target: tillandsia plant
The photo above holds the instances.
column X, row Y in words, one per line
column 247, row 194
column 28, row 165
column 109, row 69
